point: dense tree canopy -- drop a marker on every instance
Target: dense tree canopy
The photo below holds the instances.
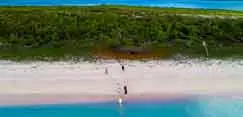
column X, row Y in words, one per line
column 87, row 27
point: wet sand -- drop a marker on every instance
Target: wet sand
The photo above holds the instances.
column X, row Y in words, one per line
column 67, row 82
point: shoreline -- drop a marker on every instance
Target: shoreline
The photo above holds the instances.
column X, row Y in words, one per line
column 121, row 5
column 50, row 99
column 16, row 100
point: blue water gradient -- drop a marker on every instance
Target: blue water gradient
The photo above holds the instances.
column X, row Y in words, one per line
column 194, row 107
column 208, row 4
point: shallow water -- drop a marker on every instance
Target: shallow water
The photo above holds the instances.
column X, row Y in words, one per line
column 208, row 4
column 194, row 107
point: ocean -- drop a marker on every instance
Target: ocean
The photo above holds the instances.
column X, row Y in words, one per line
column 207, row 4
column 190, row 107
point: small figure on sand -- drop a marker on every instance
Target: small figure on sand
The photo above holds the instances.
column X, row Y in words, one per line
column 123, row 68
column 106, row 70
column 125, row 89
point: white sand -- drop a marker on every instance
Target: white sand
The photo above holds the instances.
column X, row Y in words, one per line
column 33, row 82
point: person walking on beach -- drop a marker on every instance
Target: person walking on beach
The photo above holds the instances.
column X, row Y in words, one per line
column 125, row 89
column 123, row 68
column 106, row 70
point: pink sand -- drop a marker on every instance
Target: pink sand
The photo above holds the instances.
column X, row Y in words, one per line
column 67, row 82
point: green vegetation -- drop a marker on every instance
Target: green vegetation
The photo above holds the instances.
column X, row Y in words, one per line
column 57, row 32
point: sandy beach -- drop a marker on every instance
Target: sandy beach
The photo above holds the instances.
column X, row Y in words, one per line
column 67, row 82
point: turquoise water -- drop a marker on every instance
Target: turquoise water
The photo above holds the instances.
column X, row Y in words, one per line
column 209, row 4
column 196, row 107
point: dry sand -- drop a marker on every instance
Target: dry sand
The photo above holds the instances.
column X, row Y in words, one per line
column 67, row 82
